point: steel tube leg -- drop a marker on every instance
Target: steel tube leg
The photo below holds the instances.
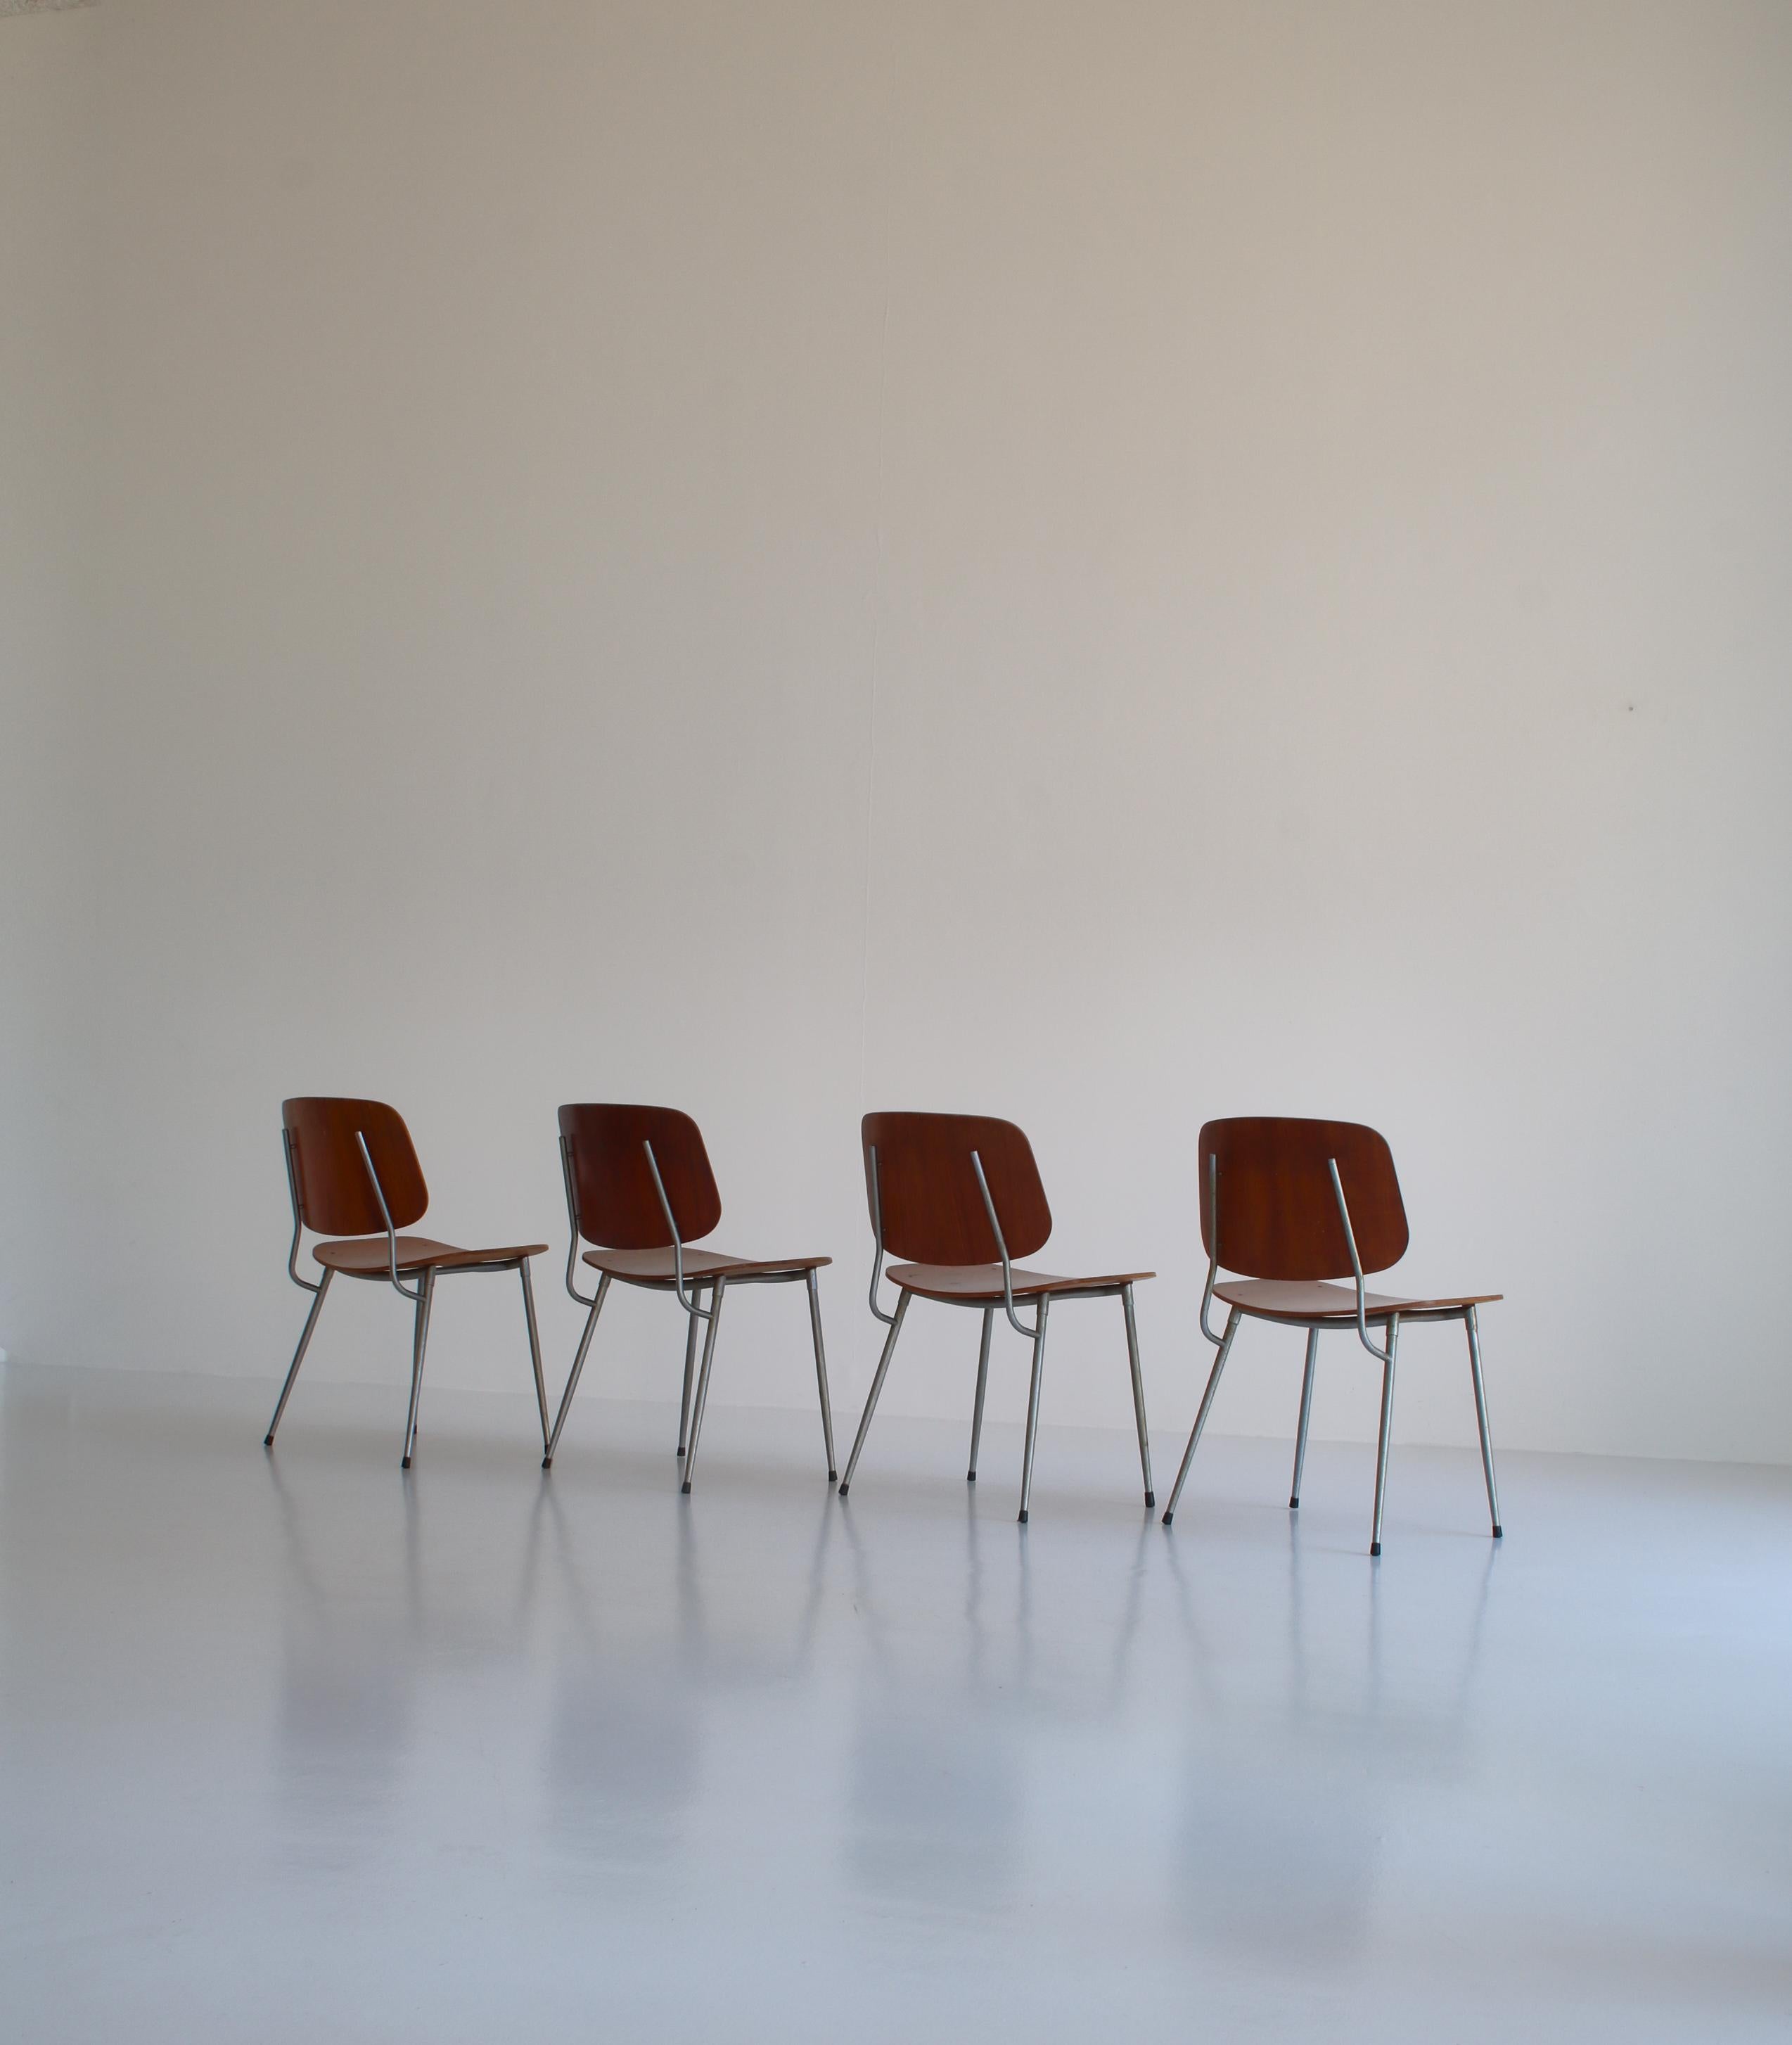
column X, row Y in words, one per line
column 535, row 1352
column 982, row 1386
column 1387, row 1425
column 1474, row 1327
column 299, row 1354
column 821, row 1373
column 715, row 1294
column 419, row 1340
column 1138, row 1393
column 1306, row 1415
column 1201, row 1416
column 577, row 1366
column 877, row 1386
column 1032, row 1405
column 690, row 1369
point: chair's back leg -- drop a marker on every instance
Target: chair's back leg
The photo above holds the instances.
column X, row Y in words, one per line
column 822, row 1373
column 877, row 1386
column 1306, row 1415
column 1472, row 1322
column 578, row 1366
column 1387, row 1429
column 298, row 1355
column 982, row 1386
column 1138, row 1393
column 1032, row 1405
column 535, row 1352
column 689, row 1369
column 1201, row 1415
column 717, row 1294
column 419, row 1341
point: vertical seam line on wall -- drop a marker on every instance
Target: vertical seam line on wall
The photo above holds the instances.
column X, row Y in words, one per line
column 871, row 719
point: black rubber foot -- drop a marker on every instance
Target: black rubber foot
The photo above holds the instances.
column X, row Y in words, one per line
column 1023, row 1515
column 970, row 1477
column 404, row 1464
column 267, row 1441
column 1499, row 1533
column 833, row 1476
column 1168, row 1517
column 547, row 1463
column 685, row 1485
column 1294, row 1504
column 680, row 1450
column 1150, row 1498
column 1374, row 1547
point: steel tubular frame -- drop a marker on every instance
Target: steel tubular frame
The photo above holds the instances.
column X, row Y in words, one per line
column 422, row 1299
column 1035, row 1335
column 1385, row 1357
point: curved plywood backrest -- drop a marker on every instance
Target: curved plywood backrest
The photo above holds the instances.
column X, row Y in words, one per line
column 1278, row 1216
column 335, row 1196
column 613, row 1195
column 932, row 1208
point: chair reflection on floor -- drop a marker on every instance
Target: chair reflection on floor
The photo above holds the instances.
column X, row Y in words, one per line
column 1287, row 1789
column 643, row 1672
column 954, row 1719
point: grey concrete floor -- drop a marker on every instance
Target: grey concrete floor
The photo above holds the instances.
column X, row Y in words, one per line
column 293, row 1747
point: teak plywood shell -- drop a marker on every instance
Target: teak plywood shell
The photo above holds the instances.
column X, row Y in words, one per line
column 960, row 1282
column 1285, row 1299
column 335, row 1197
column 1278, row 1216
column 366, row 1258
column 614, row 1196
column 932, row 1206
column 656, row 1267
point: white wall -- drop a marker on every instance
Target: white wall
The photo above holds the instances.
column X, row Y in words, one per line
column 49, row 309
column 1107, row 564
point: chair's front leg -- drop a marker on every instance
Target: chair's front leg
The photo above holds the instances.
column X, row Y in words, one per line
column 1387, row 1429
column 1032, row 1404
column 689, row 1369
column 716, row 1295
column 877, row 1386
column 1472, row 1321
column 535, row 1352
column 298, row 1355
column 1306, row 1414
column 426, row 1292
column 1201, row 1416
column 1138, row 1393
column 982, row 1386
column 578, row 1366
column 822, row 1373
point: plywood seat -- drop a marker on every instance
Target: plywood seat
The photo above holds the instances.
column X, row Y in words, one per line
column 981, row 1282
column 366, row 1256
column 659, row 1267
column 1292, row 1299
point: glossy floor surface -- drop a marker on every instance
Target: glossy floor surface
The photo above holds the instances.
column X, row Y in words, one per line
column 296, row 1748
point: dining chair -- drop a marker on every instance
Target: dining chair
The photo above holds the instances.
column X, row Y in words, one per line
column 639, row 1189
column 1306, row 1203
column 960, row 1196
column 352, row 1172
